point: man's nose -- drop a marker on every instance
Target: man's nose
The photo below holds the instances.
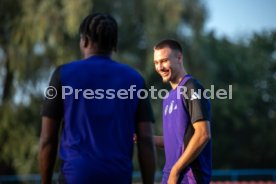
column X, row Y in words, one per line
column 159, row 66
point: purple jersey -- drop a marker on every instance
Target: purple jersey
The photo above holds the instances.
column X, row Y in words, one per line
column 97, row 135
column 177, row 126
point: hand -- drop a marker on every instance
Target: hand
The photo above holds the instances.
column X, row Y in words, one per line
column 173, row 178
column 135, row 138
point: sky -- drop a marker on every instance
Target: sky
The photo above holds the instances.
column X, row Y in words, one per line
column 239, row 18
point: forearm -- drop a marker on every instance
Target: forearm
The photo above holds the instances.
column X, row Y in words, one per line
column 193, row 149
column 47, row 157
column 159, row 142
column 147, row 159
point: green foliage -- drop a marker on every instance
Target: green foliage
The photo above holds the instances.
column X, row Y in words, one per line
column 244, row 127
column 38, row 35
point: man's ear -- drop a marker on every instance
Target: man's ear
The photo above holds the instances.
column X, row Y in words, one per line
column 179, row 57
column 86, row 41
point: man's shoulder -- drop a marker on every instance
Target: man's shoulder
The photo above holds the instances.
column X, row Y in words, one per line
column 129, row 71
column 70, row 63
column 193, row 83
column 67, row 65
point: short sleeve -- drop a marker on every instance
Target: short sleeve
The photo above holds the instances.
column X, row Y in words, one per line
column 53, row 103
column 144, row 110
column 198, row 107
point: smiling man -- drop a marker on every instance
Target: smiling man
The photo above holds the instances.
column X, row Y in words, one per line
column 186, row 121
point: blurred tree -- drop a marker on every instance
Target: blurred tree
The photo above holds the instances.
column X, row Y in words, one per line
column 243, row 127
column 37, row 35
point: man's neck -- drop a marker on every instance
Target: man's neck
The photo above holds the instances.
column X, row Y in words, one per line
column 92, row 53
column 178, row 79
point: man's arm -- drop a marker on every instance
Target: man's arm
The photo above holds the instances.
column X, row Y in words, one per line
column 200, row 138
column 159, row 142
column 146, row 151
column 48, row 148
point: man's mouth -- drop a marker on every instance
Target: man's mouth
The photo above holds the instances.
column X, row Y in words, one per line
column 164, row 73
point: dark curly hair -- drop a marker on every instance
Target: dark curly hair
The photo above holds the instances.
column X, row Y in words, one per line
column 102, row 30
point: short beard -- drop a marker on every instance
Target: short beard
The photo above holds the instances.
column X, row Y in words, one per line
column 165, row 80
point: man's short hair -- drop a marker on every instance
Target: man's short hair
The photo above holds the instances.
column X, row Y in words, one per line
column 102, row 29
column 172, row 44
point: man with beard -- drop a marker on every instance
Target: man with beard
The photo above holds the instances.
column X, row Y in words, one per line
column 186, row 120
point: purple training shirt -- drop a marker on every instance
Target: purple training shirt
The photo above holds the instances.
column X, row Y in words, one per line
column 176, row 122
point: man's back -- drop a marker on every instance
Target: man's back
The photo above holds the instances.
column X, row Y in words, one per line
column 100, row 118
column 97, row 138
